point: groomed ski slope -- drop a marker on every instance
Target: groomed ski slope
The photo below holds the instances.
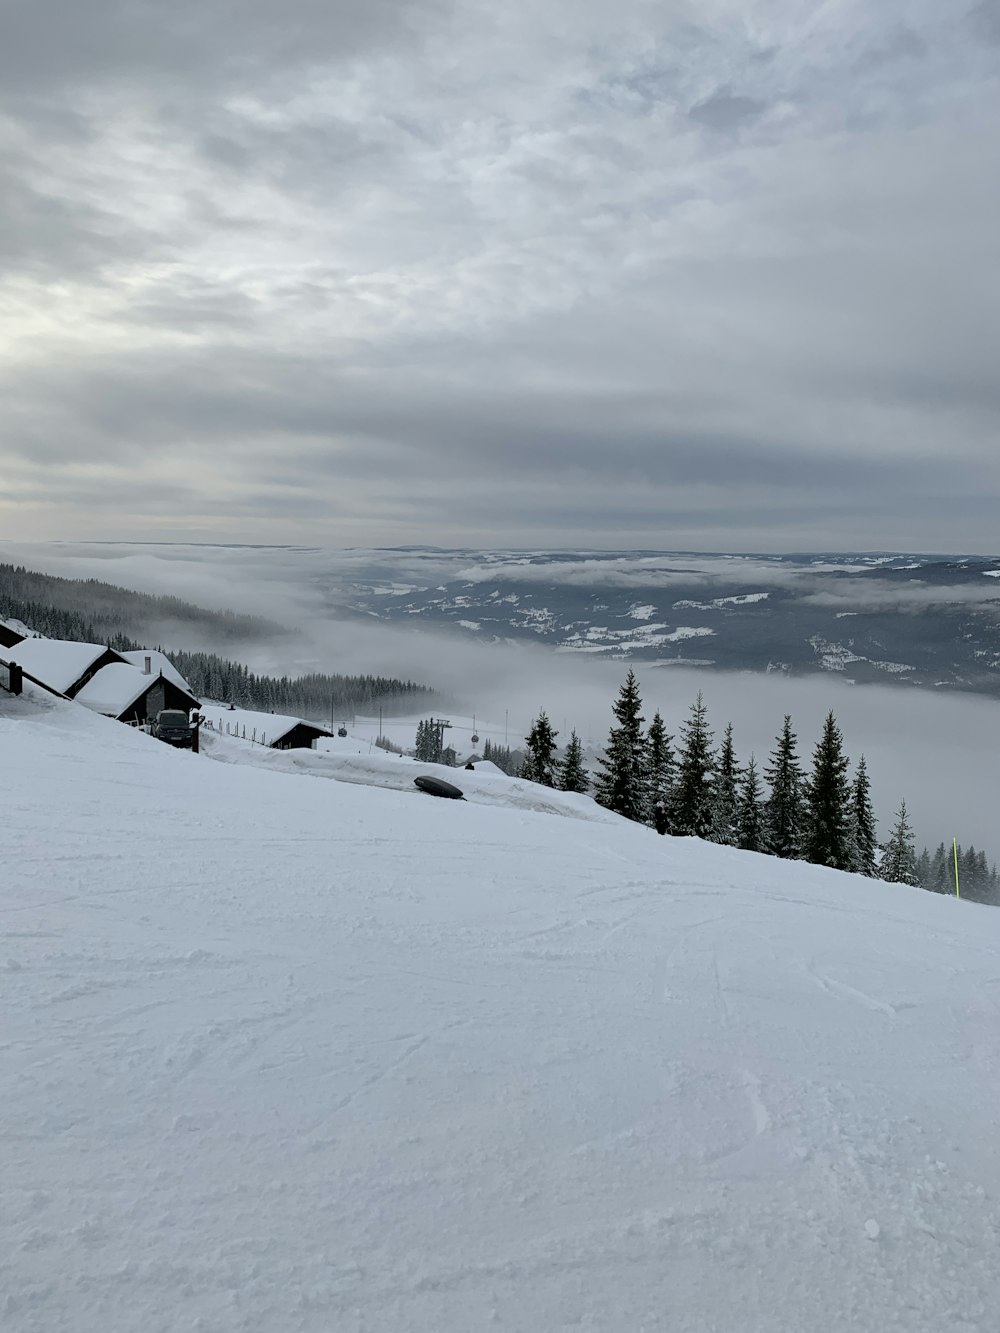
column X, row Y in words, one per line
column 283, row 1054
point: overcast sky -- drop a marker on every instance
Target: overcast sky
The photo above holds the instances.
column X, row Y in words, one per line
column 720, row 274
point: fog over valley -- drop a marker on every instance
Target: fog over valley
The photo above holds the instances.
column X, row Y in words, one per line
column 935, row 747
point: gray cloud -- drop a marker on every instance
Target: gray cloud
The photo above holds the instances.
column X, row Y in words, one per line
column 727, row 111
column 58, row 42
column 985, row 18
column 607, row 272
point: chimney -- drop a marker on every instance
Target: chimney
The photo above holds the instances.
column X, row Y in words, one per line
column 147, row 669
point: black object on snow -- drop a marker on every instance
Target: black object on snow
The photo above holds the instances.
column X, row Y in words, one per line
column 438, row 787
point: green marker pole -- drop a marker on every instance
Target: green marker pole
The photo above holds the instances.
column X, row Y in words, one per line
column 954, row 843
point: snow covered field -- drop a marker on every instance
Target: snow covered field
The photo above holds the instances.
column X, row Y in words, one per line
column 289, row 1055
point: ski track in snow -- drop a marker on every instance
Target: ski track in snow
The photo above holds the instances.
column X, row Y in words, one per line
column 291, row 1056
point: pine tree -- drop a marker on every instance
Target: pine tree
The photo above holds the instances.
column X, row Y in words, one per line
column 940, row 870
column 539, row 766
column 862, row 839
column 975, row 875
column 622, row 786
column 660, row 771
column 428, row 748
column 827, row 841
column 691, row 807
column 751, row 830
column 785, row 809
column 501, row 756
column 898, row 864
column 726, row 794
column 983, row 889
column 572, row 774
column 923, row 870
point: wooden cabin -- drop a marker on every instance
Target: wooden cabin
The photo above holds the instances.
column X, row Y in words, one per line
column 124, row 692
column 60, row 665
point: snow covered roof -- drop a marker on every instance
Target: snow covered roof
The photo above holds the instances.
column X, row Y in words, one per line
column 114, row 688
column 160, row 662
column 56, row 662
column 271, row 726
column 14, row 628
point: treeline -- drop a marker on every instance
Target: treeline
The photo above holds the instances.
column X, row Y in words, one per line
column 977, row 878
column 317, row 696
column 99, row 610
column 430, row 748
column 694, row 788
column 49, row 621
column 506, row 759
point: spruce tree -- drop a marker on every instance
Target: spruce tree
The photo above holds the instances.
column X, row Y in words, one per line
column 826, row 841
column 863, row 842
column 420, row 748
column 983, row 879
column 971, row 872
column 499, row 755
column 572, row 774
column 660, row 770
column 898, row 864
column 623, row 783
column 539, row 764
column 691, row 806
column 785, row 808
column 428, row 748
column 751, row 831
column 941, row 870
column 726, row 794
column 923, row 869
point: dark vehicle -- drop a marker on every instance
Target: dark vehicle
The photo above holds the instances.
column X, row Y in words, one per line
column 172, row 726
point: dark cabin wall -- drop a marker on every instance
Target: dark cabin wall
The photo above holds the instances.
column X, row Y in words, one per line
column 9, row 637
column 162, row 693
column 300, row 737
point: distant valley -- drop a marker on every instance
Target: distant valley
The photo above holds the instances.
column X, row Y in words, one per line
column 921, row 620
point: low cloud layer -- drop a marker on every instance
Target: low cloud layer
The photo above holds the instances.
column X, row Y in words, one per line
column 691, row 275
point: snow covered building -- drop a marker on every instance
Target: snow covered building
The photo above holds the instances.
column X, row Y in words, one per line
column 59, row 665
column 151, row 659
column 275, row 730
column 129, row 686
column 11, row 632
column 130, row 694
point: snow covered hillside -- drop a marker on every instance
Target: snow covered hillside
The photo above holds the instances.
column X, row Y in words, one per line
column 292, row 1056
